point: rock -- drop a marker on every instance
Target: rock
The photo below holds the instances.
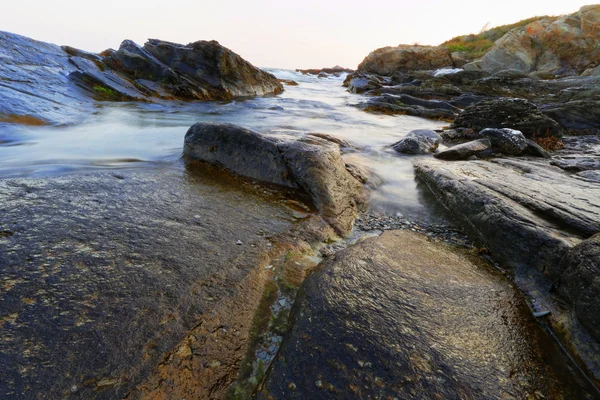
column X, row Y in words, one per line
column 216, row 72
column 420, row 141
column 579, row 117
column 580, row 285
column 417, row 319
column 538, row 212
column 466, row 100
column 46, row 84
column 387, row 60
column 288, row 82
column 534, row 47
column 578, row 164
column 122, row 291
column 535, row 150
column 458, row 135
column 593, row 175
column 409, row 105
column 518, row 114
column 311, row 164
column 336, row 71
column 508, row 141
column 464, row 150
column 361, row 83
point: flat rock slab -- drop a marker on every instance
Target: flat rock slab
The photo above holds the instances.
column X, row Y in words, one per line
column 400, row 316
column 102, row 275
column 528, row 214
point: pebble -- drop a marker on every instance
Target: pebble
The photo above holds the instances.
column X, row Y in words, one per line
column 239, row 243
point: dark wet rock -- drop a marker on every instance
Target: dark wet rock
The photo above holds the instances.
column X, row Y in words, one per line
column 46, row 83
column 216, row 72
column 508, row 141
column 309, row 163
column 538, row 210
column 579, row 282
column 578, row 164
column 420, row 141
column 417, row 319
column 516, row 114
column 467, row 99
column 529, row 216
column 131, row 283
column 465, row 150
column 580, row 116
column 362, row 83
column 534, row 149
column 387, row 60
column 409, row 105
column 459, row 135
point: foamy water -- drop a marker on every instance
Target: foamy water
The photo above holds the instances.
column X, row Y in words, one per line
column 125, row 135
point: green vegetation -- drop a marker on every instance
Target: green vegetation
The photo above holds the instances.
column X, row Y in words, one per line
column 104, row 92
column 476, row 45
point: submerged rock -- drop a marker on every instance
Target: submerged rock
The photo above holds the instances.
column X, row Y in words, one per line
column 309, row 163
column 518, row 114
column 420, row 141
column 400, row 316
column 465, row 150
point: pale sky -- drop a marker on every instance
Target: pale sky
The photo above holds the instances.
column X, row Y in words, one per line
column 283, row 34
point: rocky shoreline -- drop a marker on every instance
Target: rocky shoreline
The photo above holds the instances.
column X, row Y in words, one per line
column 254, row 267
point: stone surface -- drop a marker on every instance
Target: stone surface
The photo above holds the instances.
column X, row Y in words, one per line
column 309, row 163
column 387, row 60
column 465, row 150
column 577, row 116
column 400, row 316
column 580, row 282
column 110, row 280
column 404, row 104
column 45, row 84
column 420, row 141
column 578, row 164
column 508, row 141
column 518, row 114
column 567, row 45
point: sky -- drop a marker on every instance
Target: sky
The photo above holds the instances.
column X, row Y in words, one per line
column 278, row 34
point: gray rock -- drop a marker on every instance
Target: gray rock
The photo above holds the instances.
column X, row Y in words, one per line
column 409, row 105
column 508, row 141
column 580, row 285
column 464, row 150
column 311, row 164
column 578, row 164
column 579, row 116
column 417, row 319
column 593, row 176
column 420, row 141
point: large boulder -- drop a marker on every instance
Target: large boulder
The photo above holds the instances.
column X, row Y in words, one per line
column 420, row 141
column 568, row 45
column 580, row 282
column 309, row 163
column 518, row 114
column 400, row 316
column 387, row 60
column 46, row 84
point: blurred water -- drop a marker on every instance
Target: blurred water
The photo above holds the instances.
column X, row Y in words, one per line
column 129, row 135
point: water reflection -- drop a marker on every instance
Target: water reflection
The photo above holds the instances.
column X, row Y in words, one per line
column 132, row 134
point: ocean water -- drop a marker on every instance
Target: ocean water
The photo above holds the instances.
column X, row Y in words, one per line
column 136, row 135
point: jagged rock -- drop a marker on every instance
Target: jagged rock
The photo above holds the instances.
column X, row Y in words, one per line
column 579, row 282
column 465, row 150
column 534, row 47
column 311, row 164
column 44, row 83
column 387, row 60
column 518, row 114
column 362, row 83
column 417, row 319
column 409, row 105
column 508, row 141
column 420, row 141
